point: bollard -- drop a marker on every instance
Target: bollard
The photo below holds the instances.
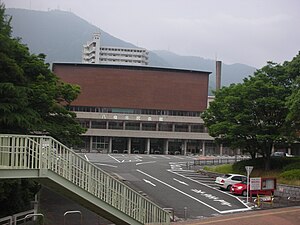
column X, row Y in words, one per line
column 185, row 213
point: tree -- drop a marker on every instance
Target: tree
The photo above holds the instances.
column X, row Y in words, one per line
column 293, row 101
column 252, row 116
column 32, row 100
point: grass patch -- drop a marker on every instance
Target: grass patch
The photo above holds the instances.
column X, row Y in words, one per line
column 226, row 168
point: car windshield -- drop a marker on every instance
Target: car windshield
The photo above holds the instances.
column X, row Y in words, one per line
column 226, row 175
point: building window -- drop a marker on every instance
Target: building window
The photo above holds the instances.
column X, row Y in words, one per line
column 165, row 127
column 197, row 128
column 149, row 126
column 99, row 124
column 100, row 143
column 132, row 126
column 115, row 125
column 181, row 128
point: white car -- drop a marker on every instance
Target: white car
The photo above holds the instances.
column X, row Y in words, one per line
column 227, row 180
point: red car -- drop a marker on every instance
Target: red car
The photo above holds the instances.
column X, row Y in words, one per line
column 241, row 189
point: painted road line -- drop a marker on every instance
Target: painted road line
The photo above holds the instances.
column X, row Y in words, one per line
column 145, row 163
column 192, row 197
column 87, row 159
column 179, row 191
column 181, row 182
column 149, row 182
column 248, row 208
column 101, row 164
column 114, row 158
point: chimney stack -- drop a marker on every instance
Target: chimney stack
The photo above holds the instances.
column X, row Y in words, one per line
column 218, row 74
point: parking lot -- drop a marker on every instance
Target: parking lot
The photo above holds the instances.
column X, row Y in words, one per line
column 171, row 182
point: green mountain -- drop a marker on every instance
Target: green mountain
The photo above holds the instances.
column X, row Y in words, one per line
column 233, row 73
column 61, row 34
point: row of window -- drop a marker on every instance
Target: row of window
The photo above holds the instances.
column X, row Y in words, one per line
column 120, row 60
column 134, row 111
column 122, row 55
column 147, row 126
column 123, row 50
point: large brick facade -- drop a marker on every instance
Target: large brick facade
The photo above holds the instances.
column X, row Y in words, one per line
column 136, row 87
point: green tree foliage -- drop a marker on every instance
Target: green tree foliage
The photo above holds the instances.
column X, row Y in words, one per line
column 32, row 100
column 258, row 114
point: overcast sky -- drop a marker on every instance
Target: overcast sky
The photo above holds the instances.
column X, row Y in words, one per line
column 234, row 31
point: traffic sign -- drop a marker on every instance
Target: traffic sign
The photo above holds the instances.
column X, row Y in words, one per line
column 249, row 169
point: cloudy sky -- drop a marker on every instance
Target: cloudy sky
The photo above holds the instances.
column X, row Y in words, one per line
column 234, row 31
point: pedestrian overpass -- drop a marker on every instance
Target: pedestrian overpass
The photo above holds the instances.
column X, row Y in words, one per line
column 56, row 166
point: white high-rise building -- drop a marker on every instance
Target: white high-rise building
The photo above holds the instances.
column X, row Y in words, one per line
column 93, row 52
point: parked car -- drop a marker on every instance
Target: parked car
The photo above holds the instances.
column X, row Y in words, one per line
column 226, row 181
column 281, row 154
column 241, row 189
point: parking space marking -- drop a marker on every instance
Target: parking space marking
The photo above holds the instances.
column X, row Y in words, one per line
column 102, row 164
column 114, row 158
column 192, row 197
column 213, row 189
column 145, row 163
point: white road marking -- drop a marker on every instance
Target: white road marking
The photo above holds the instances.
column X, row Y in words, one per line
column 178, row 157
column 87, row 159
column 145, row 163
column 138, row 159
column 101, row 164
column 153, row 157
column 181, row 182
column 249, row 208
column 226, row 211
column 114, row 158
column 166, row 157
column 149, row 182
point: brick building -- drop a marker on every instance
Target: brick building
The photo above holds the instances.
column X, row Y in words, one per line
column 139, row 109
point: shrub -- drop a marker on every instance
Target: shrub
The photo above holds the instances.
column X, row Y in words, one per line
column 292, row 166
column 277, row 163
column 291, row 174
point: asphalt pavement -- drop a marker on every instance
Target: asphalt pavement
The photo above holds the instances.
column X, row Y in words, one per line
column 161, row 178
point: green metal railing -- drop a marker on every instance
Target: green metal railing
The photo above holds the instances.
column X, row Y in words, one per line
column 43, row 152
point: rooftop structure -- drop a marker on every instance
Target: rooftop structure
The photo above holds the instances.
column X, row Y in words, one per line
column 93, row 52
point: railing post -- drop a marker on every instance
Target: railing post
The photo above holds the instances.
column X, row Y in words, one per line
column 73, row 212
column 90, row 183
column 35, row 215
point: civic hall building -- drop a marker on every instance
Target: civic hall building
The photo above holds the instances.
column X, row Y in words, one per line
column 140, row 109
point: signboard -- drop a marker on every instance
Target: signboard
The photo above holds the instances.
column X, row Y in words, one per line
column 249, row 169
column 255, row 183
column 268, row 184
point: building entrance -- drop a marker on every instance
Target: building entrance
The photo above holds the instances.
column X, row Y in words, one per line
column 138, row 145
column 175, row 147
column 119, row 145
column 156, row 146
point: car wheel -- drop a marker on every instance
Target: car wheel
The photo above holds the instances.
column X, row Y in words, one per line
column 229, row 187
column 244, row 193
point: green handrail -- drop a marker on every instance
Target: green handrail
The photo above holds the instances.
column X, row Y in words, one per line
column 46, row 153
